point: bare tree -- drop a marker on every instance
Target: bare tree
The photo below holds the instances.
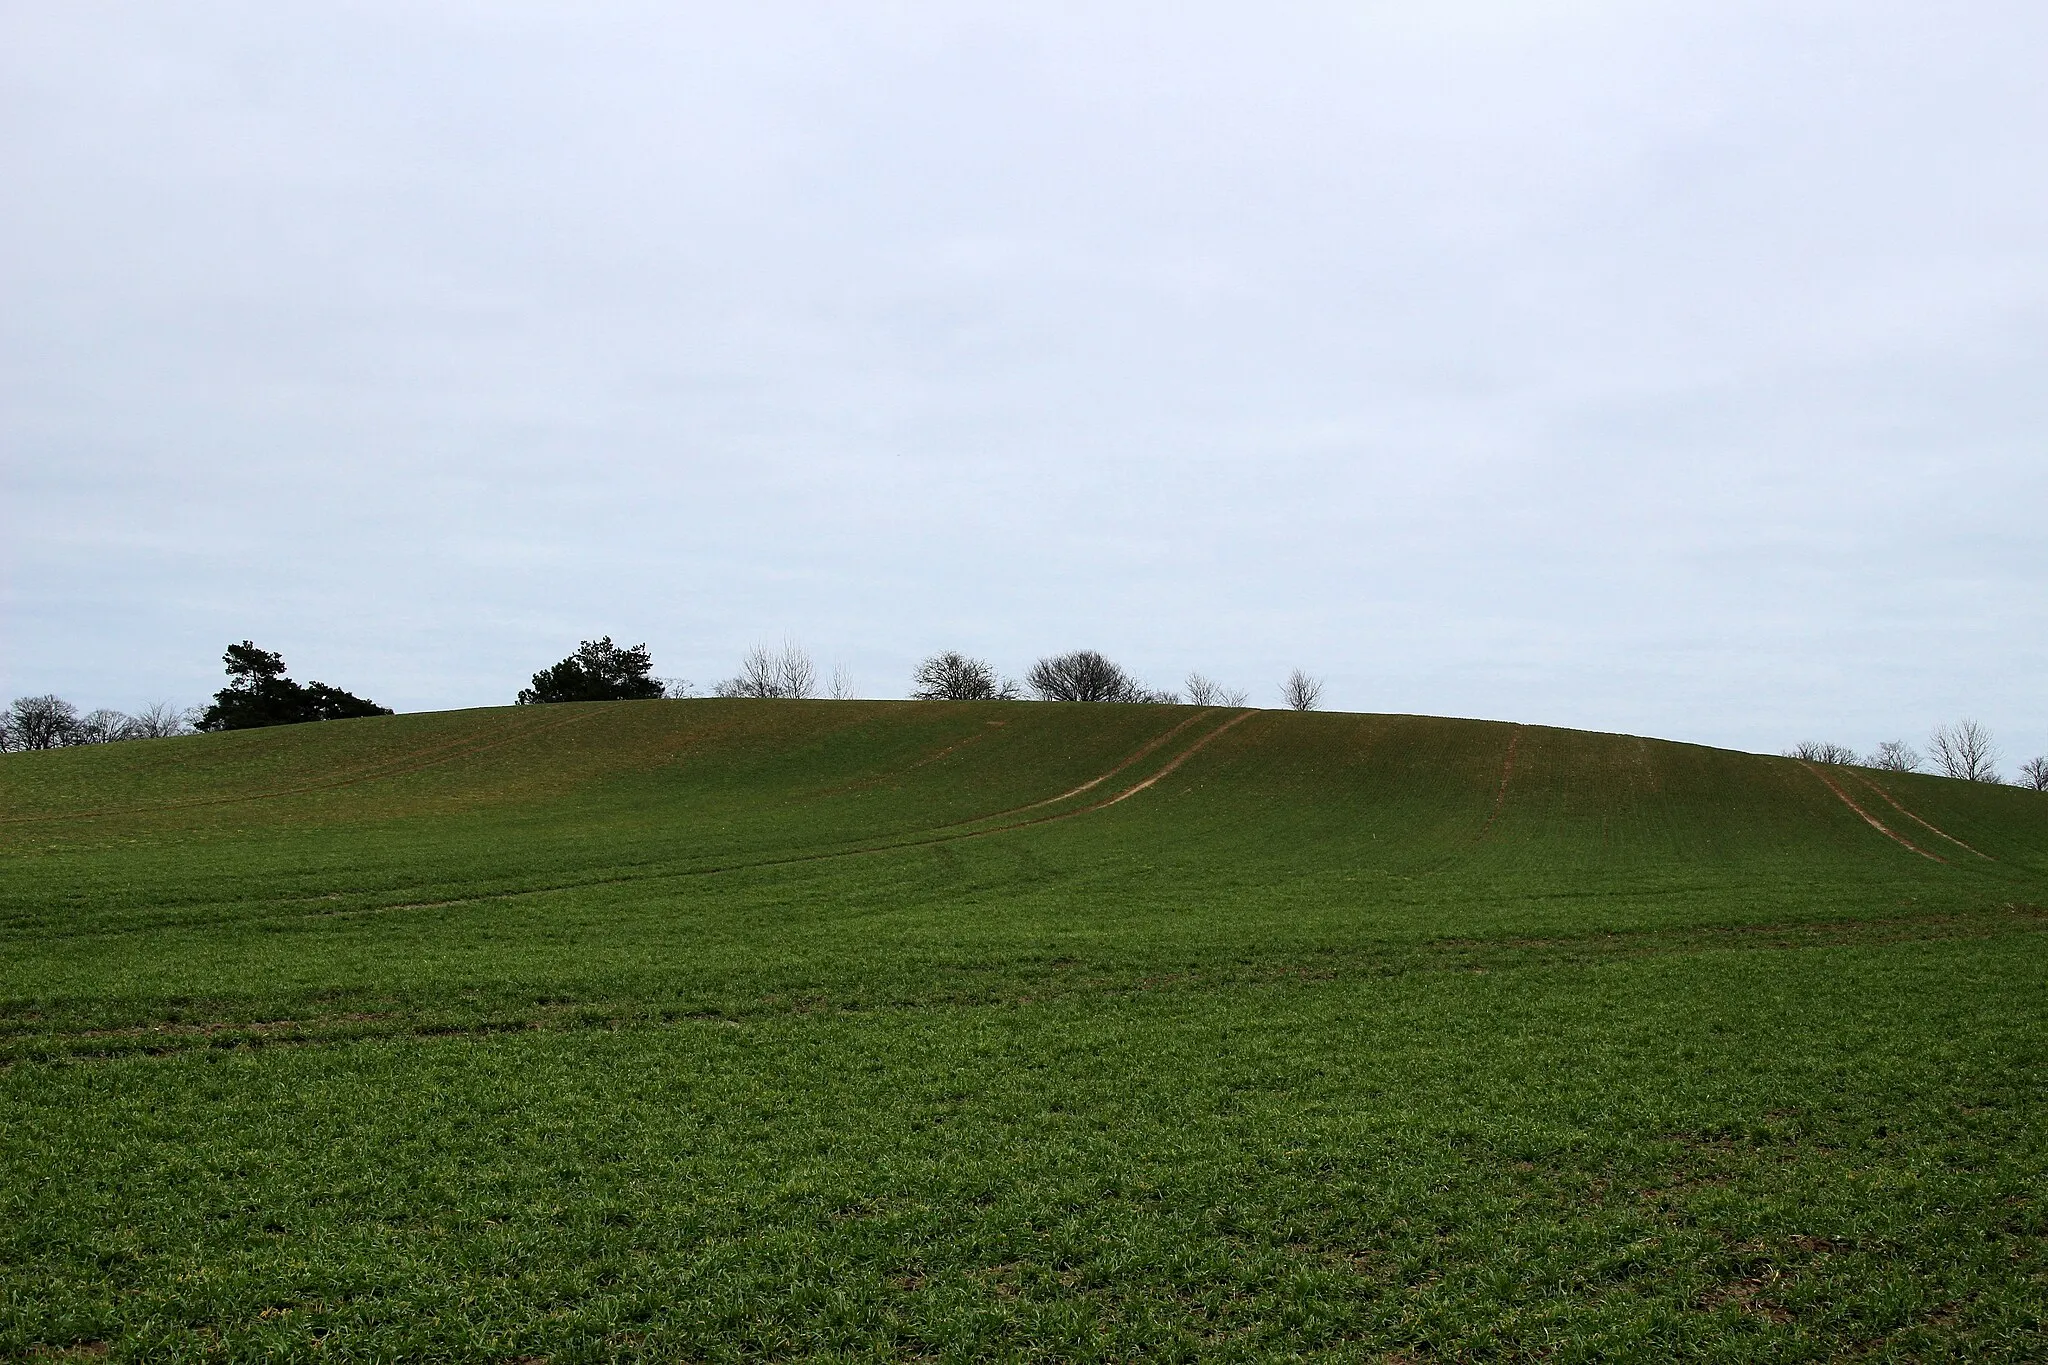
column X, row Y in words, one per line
column 1203, row 691
column 1301, row 692
column 103, row 727
column 676, row 689
column 771, row 675
column 2034, row 774
column 1964, row 750
column 45, row 722
column 952, row 676
column 796, row 673
column 1084, row 675
column 1893, row 756
column 756, row 678
column 842, row 684
column 1819, row 751
column 160, row 720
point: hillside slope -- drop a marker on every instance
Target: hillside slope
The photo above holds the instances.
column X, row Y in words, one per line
column 644, row 847
column 727, row 1030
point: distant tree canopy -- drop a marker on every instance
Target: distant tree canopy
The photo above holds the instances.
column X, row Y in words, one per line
column 260, row 694
column 1819, row 751
column 771, row 675
column 45, row 722
column 50, row 722
column 953, row 676
column 1085, row 675
column 598, row 671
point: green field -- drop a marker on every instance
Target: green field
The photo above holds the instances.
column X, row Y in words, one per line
column 727, row 1030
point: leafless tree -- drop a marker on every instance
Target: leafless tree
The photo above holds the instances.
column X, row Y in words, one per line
column 756, row 677
column 1964, row 750
column 1893, row 756
column 159, row 721
column 842, row 684
column 1203, row 691
column 796, row 674
column 1084, row 675
column 1301, row 692
column 1819, row 751
column 676, row 689
column 2034, row 774
column 103, row 727
column 45, row 722
column 771, row 675
column 952, row 676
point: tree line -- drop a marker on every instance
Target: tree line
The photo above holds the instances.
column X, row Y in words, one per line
column 1964, row 750
column 260, row 693
column 602, row 671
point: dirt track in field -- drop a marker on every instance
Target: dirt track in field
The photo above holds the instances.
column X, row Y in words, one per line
column 932, row 837
column 1928, row 825
column 1870, row 819
column 1507, row 770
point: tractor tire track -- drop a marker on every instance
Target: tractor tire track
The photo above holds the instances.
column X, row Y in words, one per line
column 1928, row 825
column 1507, row 770
column 1869, row 819
column 930, row 838
column 1149, row 748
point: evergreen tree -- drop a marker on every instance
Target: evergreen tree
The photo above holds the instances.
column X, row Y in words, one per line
column 598, row 671
column 260, row 694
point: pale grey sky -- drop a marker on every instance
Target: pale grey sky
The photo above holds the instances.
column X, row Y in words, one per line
column 1671, row 368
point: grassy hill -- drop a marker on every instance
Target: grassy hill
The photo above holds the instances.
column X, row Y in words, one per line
column 861, row 1030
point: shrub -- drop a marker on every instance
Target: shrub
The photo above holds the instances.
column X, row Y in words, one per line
column 1819, row 751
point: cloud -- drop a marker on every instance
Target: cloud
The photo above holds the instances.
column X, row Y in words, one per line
column 1656, row 368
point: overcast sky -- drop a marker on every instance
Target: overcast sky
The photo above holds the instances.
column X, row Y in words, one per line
column 1679, row 369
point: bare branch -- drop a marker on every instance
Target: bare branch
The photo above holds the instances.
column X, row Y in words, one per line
column 1819, row 751
column 1085, row 675
column 769, row 675
column 45, row 722
column 952, row 676
column 159, row 721
column 1964, row 750
column 1893, row 756
column 103, row 727
column 1301, row 692
column 795, row 674
column 2034, row 774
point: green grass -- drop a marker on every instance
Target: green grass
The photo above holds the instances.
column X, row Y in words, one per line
column 737, row 1031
